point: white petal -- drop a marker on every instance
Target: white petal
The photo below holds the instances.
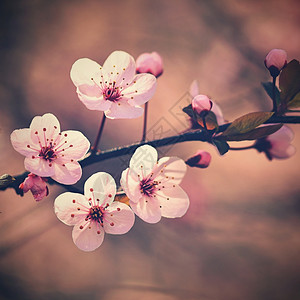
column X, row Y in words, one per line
column 88, row 236
column 131, row 185
column 141, row 89
column 143, row 160
column 170, row 169
column 122, row 110
column 44, row 127
column 75, row 143
column 100, row 186
column 71, row 208
column 39, row 166
column 67, row 173
column 83, row 70
column 94, row 103
column 118, row 218
column 122, row 67
column 174, row 201
column 21, row 139
column 284, row 135
column 282, row 150
column 147, row 208
column 218, row 113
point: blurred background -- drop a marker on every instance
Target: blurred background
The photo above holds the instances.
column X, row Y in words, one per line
column 240, row 237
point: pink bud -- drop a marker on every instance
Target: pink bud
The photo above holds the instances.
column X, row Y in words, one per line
column 275, row 61
column 36, row 185
column 150, row 63
column 201, row 104
column 277, row 145
column 200, row 160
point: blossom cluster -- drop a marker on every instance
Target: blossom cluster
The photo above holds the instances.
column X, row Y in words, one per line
column 119, row 88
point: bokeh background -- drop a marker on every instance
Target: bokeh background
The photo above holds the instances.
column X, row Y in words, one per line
column 240, row 238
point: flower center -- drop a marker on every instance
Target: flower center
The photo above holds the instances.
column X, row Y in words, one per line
column 148, row 186
column 111, row 93
column 96, row 214
column 47, row 153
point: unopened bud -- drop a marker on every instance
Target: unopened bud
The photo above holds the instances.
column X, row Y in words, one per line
column 200, row 160
column 150, row 63
column 275, row 61
column 201, row 104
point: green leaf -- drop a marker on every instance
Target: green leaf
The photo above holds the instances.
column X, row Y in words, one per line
column 289, row 82
column 6, row 180
column 247, row 123
column 221, row 145
column 268, row 86
column 254, row 134
column 295, row 102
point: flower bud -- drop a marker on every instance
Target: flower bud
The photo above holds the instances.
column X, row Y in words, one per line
column 277, row 145
column 150, row 63
column 275, row 61
column 36, row 185
column 201, row 104
column 200, row 160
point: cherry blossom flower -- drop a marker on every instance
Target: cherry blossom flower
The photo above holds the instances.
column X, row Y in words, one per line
column 201, row 159
column 277, row 145
column 94, row 213
column 150, row 63
column 275, row 61
column 37, row 185
column 153, row 187
column 49, row 152
column 194, row 91
column 113, row 88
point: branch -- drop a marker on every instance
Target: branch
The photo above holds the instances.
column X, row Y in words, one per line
column 197, row 135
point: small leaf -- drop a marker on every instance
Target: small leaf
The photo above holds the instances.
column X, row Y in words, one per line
column 295, row 102
column 254, row 134
column 289, row 82
column 122, row 198
column 6, row 180
column 221, row 145
column 268, row 86
column 190, row 112
column 247, row 123
column 210, row 120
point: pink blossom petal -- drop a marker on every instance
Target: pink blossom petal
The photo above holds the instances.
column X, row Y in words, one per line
column 194, row 88
column 94, row 103
column 89, row 90
column 44, row 127
column 122, row 65
column 147, row 208
column 284, row 134
column 281, row 150
column 100, row 186
column 141, row 89
column 83, row 70
column 88, row 236
column 174, row 202
column 218, row 113
column 122, row 110
column 66, row 208
column 21, row 139
column 39, row 166
column 131, row 185
column 143, row 160
column 77, row 144
column 171, row 169
column 67, row 173
column 118, row 218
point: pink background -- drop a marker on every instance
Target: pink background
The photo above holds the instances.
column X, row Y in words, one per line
column 240, row 238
